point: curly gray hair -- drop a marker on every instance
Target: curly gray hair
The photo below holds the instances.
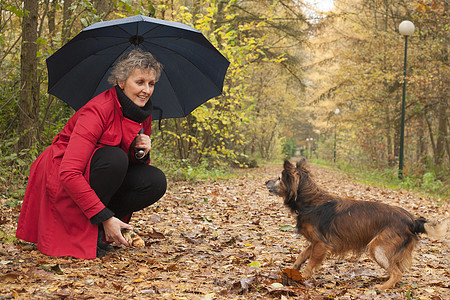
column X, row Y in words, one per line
column 136, row 58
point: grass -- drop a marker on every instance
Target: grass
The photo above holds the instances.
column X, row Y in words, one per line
column 6, row 237
column 180, row 170
column 428, row 184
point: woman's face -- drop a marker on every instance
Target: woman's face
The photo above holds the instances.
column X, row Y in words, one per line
column 139, row 85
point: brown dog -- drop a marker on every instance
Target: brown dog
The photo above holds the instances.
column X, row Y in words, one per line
column 337, row 226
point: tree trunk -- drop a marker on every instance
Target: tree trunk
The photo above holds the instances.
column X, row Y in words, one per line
column 397, row 129
column 421, row 150
column 442, row 133
column 29, row 92
column 219, row 17
column 194, row 7
column 103, row 8
column 430, row 132
column 51, row 20
column 390, row 154
column 67, row 22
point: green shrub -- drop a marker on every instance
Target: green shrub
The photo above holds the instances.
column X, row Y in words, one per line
column 408, row 183
column 289, row 147
column 183, row 169
column 430, row 183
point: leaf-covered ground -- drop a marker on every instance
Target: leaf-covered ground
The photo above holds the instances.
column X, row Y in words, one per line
column 224, row 239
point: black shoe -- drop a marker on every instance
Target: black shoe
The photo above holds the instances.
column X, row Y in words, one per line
column 100, row 252
column 102, row 246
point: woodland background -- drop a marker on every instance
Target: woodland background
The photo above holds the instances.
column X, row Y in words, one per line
column 291, row 67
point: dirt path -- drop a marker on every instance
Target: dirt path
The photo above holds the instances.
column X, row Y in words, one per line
column 224, row 239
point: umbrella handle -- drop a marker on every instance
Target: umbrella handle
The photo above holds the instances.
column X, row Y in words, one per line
column 140, row 153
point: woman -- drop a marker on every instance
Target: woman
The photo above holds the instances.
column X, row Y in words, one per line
column 89, row 181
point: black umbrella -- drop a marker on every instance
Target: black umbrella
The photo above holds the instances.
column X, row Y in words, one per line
column 193, row 69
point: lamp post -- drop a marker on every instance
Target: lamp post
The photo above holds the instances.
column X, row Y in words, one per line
column 317, row 131
column 406, row 28
column 336, row 112
column 308, row 148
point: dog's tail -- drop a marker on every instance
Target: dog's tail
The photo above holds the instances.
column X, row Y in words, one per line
column 433, row 229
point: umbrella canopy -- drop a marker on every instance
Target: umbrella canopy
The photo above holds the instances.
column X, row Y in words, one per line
column 193, row 69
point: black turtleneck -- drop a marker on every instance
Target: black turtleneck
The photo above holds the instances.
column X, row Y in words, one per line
column 131, row 110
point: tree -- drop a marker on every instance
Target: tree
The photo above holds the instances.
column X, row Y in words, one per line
column 29, row 87
column 357, row 66
column 249, row 36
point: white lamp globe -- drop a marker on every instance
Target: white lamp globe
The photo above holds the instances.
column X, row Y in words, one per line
column 406, row 28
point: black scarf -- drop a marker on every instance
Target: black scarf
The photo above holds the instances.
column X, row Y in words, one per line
column 132, row 111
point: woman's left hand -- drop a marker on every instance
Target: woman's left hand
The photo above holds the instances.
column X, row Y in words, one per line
column 144, row 142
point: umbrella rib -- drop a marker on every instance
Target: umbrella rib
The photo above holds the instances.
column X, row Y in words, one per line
column 106, row 70
column 95, row 53
column 123, row 30
column 137, row 30
column 186, row 58
column 156, row 27
column 173, row 87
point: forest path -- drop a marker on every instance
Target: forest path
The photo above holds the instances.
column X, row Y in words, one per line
column 224, row 239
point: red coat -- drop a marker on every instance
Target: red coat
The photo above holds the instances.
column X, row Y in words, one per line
column 59, row 201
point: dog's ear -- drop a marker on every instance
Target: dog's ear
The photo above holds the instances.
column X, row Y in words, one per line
column 301, row 165
column 290, row 179
column 288, row 167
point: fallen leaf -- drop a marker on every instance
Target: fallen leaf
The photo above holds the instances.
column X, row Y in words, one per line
column 285, row 228
column 143, row 270
column 291, row 277
column 156, row 235
column 155, row 219
column 293, row 274
column 276, row 285
column 117, row 286
column 255, row 264
column 53, row 268
column 9, row 277
column 209, row 296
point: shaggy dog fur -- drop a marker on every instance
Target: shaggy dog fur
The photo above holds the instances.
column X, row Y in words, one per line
column 337, row 226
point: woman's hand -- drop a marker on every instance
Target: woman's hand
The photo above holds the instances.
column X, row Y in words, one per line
column 112, row 228
column 144, row 142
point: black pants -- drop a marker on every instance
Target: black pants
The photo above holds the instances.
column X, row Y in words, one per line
column 124, row 188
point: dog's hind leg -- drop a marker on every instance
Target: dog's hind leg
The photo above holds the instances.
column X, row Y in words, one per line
column 392, row 252
column 394, row 276
column 318, row 252
column 302, row 257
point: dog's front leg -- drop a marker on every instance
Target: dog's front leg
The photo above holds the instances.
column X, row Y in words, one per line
column 318, row 252
column 302, row 257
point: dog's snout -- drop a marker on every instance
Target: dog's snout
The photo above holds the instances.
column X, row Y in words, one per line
column 269, row 183
column 272, row 186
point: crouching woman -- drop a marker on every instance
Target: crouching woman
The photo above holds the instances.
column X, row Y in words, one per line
column 84, row 187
